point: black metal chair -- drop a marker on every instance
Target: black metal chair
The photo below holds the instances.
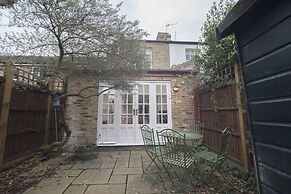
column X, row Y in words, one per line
column 216, row 160
column 176, row 155
column 151, row 148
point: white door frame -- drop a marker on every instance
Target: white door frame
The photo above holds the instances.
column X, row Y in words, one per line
column 118, row 134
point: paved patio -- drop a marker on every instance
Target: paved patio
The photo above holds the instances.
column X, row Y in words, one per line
column 111, row 172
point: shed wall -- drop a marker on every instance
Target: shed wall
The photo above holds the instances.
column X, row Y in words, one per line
column 265, row 51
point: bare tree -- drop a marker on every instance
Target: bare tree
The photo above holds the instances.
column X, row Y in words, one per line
column 76, row 36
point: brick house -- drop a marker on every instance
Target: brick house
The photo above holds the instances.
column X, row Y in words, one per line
column 159, row 99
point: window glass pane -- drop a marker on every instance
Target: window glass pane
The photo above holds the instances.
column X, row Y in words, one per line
column 130, row 96
column 123, row 98
column 158, row 98
column 140, row 109
column 147, row 119
column 130, row 121
column 165, row 119
column 140, row 98
column 164, row 89
column 105, row 98
column 146, row 89
column 159, row 110
column 164, row 99
column 123, row 119
column 165, row 109
column 147, row 109
column 104, row 119
column 140, row 119
column 146, row 99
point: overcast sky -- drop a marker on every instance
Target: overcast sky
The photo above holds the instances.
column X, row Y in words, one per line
column 187, row 16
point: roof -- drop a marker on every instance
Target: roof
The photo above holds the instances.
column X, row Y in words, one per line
column 240, row 16
column 174, row 42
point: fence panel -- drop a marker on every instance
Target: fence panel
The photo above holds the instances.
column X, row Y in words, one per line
column 219, row 108
column 26, row 122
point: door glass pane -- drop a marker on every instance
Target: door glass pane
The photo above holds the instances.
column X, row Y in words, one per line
column 159, row 110
column 123, row 98
column 146, row 89
column 123, row 119
column 158, row 89
column 140, row 119
column 130, row 98
column 111, row 109
column 165, row 119
column 164, row 99
column 104, row 119
column 147, row 119
column 165, row 109
column 111, row 119
column 140, row 109
column 130, row 109
column 105, row 98
column 105, row 109
column 158, row 98
column 164, row 91
column 111, row 98
column 146, row 99
column 130, row 120
column 159, row 119
column 123, row 109
column 147, row 109
column 140, row 98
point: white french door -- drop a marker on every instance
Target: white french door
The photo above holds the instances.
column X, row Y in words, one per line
column 122, row 113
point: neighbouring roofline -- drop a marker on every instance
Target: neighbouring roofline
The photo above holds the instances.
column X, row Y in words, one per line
column 243, row 12
column 175, row 42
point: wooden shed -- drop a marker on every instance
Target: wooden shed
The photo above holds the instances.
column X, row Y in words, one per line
column 263, row 33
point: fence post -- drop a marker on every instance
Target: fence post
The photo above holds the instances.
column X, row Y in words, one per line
column 48, row 116
column 8, row 80
column 242, row 124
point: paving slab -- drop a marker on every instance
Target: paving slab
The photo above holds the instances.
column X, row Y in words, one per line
column 127, row 171
column 68, row 173
column 118, row 179
column 106, row 189
column 122, row 162
column 94, row 163
column 140, row 184
column 93, row 176
column 135, row 161
column 108, row 162
column 76, row 189
column 51, row 186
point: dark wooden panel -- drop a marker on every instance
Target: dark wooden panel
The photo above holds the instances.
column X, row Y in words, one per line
column 275, row 156
column 277, row 111
column 275, row 179
column 274, row 63
column 274, row 87
column 267, row 190
column 272, row 133
column 267, row 43
column 277, row 12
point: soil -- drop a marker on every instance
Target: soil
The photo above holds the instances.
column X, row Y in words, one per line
column 22, row 176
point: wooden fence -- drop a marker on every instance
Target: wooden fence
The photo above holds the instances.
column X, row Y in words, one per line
column 221, row 106
column 27, row 118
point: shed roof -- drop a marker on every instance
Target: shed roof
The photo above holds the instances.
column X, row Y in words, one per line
column 240, row 15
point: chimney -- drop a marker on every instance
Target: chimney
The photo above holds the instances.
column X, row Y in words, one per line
column 164, row 36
